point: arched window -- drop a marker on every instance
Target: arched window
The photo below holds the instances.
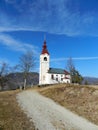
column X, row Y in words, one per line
column 52, row 76
column 45, row 58
column 56, row 79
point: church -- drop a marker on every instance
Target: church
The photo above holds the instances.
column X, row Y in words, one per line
column 48, row 75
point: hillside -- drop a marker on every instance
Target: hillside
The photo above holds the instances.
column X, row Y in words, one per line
column 82, row 100
column 48, row 115
column 91, row 80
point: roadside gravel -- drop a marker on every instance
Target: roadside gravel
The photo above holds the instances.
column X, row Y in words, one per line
column 48, row 115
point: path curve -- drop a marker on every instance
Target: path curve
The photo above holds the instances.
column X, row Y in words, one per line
column 47, row 115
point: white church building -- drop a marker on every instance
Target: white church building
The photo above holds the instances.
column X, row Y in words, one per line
column 48, row 75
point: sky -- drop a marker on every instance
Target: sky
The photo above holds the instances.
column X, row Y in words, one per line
column 70, row 28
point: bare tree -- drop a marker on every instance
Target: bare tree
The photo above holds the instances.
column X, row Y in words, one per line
column 75, row 75
column 3, row 72
column 70, row 67
column 70, row 64
column 27, row 64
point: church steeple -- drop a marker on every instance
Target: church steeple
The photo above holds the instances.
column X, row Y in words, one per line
column 44, row 64
column 44, row 50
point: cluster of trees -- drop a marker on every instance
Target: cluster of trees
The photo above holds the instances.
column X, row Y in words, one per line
column 76, row 77
column 26, row 64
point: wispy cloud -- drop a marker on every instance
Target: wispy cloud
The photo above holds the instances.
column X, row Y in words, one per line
column 74, row 58
column 16, row 45
column 49, row 15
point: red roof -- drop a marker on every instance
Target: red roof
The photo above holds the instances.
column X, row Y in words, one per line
column 66, row 72
column 44, row 50
column 67, row 78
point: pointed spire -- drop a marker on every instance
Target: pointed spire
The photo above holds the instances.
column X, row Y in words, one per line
column 44, row 37
column 44, row 50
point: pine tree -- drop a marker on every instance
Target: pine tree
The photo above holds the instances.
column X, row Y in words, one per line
column 75, row 75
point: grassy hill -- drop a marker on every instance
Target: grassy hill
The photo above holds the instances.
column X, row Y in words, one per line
column 82, row 100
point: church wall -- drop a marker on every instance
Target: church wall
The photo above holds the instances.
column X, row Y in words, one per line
column 58, row 78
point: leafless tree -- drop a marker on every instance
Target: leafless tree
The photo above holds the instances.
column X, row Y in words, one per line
column 70, row 66
column 27, row 64
column 3, row 72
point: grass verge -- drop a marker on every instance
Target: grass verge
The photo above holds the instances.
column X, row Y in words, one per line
column 11, row 116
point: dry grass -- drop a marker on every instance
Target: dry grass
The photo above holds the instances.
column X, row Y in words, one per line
column 11, row 116
column 82, row 100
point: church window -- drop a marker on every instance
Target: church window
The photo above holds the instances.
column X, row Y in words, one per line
column 61, row 79
column 52, row 76
column 56, row 79
column 45, row 58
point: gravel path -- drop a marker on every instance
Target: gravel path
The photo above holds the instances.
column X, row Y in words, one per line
column 47, row 115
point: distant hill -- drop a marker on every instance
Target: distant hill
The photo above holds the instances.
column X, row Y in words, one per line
column 90, row 80
column 15, row 80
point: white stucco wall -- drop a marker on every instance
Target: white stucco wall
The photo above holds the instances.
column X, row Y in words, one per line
column 49, row 80
column 44, row 67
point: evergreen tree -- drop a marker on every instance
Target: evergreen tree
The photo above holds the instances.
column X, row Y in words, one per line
column 75, row 75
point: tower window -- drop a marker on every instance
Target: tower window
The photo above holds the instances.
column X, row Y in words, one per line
column 45, row 58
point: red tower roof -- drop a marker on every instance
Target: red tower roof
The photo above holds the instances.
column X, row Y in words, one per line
column 44, row 50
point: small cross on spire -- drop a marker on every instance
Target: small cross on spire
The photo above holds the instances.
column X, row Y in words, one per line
column 44, row 37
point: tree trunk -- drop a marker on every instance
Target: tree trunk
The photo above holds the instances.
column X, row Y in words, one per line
column 25, row 83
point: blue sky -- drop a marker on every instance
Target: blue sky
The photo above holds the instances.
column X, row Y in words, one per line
column 70, row 26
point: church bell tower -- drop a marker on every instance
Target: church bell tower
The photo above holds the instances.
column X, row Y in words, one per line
column 44, row 64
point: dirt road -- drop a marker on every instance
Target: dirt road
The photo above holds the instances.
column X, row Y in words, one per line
column 47, row 115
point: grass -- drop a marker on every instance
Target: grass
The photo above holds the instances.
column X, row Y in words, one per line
column 11, row 116
column 82, row 100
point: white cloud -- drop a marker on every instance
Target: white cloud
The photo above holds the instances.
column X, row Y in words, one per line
column 85, row 58
column 74, row 58
column 16, row 45
column 49, row 15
